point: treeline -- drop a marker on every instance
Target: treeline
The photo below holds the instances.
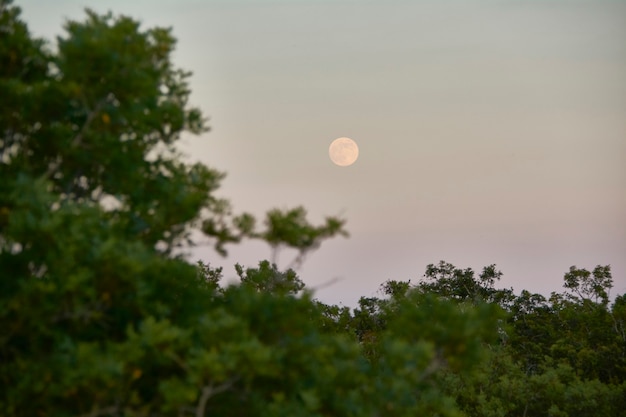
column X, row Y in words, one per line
column 99, row 316
column 560, row 356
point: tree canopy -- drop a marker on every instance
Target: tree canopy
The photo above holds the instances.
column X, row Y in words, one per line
column 102, row 316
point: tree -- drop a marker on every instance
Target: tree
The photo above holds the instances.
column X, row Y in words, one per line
column 562, row 356
column 101, row 316
column 97, row 310
column 97, row 121
column 269, row 279
column 462, row 284
column 590, row 341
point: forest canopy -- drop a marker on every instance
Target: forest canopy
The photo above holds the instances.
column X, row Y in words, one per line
column 101, row 315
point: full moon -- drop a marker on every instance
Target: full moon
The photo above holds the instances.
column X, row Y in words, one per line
column 343, row 152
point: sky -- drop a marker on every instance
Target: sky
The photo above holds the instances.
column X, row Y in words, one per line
column 489, row 132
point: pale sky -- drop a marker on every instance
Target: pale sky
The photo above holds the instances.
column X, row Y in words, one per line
column 489, row 131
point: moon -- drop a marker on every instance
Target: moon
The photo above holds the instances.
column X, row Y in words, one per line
column 343, row 152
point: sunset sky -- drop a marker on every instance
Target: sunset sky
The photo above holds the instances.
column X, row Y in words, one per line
column 488, row 131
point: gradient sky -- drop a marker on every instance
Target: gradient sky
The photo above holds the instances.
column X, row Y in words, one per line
column 489, row 131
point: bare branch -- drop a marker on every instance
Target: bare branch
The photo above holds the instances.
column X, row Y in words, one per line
column 208, row 392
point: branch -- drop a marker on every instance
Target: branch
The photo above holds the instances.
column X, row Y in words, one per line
column 209, row 391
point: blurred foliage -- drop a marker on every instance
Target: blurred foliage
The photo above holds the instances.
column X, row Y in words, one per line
column 99, row 317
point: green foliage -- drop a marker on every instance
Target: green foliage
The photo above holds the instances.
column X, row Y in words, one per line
column 99, row 124
column 100, row 318
column 291, row 229
column 269, row 279
column 558, row 357
column 591, row 286
column 283, row 229
column 462, row 285
column 502, row 389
